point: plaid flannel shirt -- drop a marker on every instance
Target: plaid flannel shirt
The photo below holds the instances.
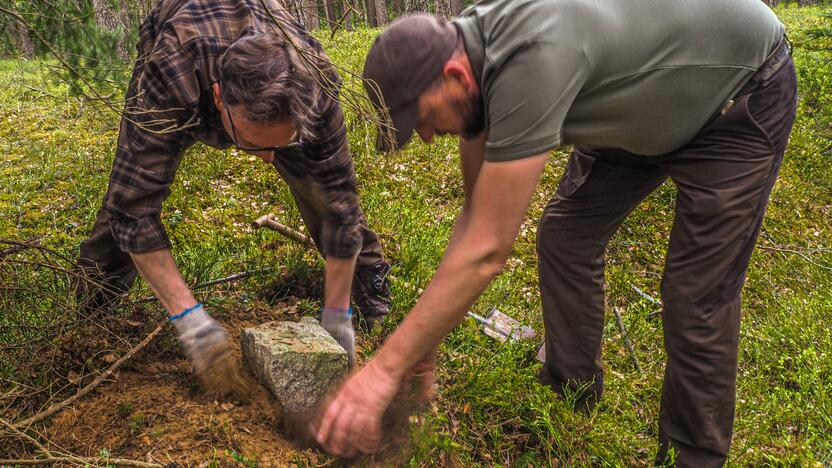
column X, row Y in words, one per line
column 169, row 106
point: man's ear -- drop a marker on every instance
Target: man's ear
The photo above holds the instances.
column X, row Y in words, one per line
column 456, row 70
column 217, row 96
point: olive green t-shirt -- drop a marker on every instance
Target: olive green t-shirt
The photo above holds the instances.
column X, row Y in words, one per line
column 640, row 75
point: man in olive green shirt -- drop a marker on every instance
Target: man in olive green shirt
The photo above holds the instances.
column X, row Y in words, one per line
column 702, row 92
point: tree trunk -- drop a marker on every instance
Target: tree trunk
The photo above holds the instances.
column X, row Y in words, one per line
column 398, row 8
column 310, row 15
column 441, row 8
column 416, row 6
column 381, row 11
column 107, row 20
column 348, row 9
column 23, row 41
column 372, row 20
column 329, row 11
column 455, row 7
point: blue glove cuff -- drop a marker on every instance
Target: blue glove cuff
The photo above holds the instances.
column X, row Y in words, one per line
column 185, row 312
column 336, row 310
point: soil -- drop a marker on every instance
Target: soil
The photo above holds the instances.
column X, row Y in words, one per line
column 154, row 413
column 151, row 409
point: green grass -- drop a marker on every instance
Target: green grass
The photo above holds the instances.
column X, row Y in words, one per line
column 54, row 160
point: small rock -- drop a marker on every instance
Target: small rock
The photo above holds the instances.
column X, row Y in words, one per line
column 297, row 361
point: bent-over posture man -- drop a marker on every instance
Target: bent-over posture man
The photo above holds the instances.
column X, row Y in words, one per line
column 232, row 73
column 702, row 92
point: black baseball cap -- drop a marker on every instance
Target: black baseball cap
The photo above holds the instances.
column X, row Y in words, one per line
column 403, row 62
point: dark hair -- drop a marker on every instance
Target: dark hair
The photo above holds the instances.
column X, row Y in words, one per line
column 264, row 74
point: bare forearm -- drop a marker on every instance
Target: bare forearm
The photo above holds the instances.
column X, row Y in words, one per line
column 480, row 246
column 159, row 269
column 338, row 281
column 458, row 282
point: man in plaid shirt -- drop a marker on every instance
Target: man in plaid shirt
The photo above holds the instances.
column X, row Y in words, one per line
column 231, row 73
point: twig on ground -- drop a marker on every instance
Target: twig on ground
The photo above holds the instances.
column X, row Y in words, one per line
column 89, row 387
column 802, row 255
column 627, row 339
column 649, row 298
column 270, row 222
column 227, row 279
column 26, row 436
column 645, row 295
column 10, row 394
column 95, row 461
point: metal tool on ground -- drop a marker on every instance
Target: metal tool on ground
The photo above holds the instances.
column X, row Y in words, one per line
column 270, row 221
column 502, row 327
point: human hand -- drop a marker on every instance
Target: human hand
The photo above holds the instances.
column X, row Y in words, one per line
column 351, row 420
column 338, row 322
column 209, row 349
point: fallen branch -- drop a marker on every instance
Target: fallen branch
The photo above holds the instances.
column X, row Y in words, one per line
column 13, row 393
column 29, row 438
column 645, row 295
column 270, row 222
column 89, row 387
column 106, row 461
column 227, row 279
column 800, row 254
column 627, row 339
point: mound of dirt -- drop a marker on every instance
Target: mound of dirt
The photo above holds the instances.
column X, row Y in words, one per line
column 154, row 413
column 151, row 409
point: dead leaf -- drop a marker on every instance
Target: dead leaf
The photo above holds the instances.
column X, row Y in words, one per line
column 109, row 358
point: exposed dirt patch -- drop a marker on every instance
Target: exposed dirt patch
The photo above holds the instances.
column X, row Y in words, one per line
column 154, row 413
column 151, row 409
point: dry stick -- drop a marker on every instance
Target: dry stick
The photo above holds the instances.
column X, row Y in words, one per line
column 227, row 279
column 31, row 439
column 80, row 460
column 270, row 222
column 341, row 21
column 649, row 298
column 627, row 339
column 10, row 394
column 59, row 406
column 798, row 253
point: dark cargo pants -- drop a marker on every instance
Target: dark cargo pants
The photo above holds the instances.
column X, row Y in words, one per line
column 723, row 178
column 100, row 254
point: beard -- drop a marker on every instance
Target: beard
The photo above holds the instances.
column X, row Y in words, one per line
column 472, row 113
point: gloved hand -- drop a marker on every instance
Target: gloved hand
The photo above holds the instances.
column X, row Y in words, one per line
column 338, row 322
column 208, row 348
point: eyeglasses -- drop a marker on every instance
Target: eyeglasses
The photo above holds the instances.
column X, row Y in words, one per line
column 277, row 149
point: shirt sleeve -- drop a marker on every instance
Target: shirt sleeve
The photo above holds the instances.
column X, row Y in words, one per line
column 160, row 110
column 527, row 101
column 331, row 168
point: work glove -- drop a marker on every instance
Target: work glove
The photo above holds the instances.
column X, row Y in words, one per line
column 208, row 348
column 338, row 322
